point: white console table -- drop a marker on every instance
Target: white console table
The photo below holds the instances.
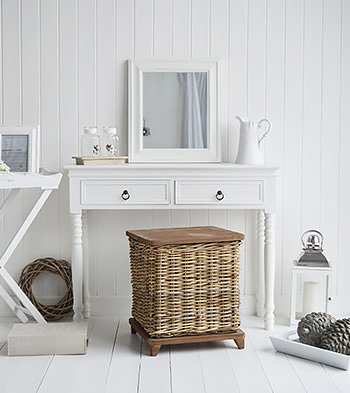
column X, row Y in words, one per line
column 174, row 186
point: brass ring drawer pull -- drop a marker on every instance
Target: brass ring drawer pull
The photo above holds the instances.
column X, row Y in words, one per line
column 125, row 195
column 219, row 195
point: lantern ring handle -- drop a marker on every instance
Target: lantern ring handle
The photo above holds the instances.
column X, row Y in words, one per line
column 311, row 231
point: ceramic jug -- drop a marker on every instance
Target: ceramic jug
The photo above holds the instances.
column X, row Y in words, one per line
column 251, row 135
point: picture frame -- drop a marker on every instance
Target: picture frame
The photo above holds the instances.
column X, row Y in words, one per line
column 20, row 148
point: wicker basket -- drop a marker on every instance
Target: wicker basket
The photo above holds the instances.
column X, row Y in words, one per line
column 188, row 288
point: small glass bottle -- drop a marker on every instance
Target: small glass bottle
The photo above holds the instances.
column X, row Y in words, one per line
column 109, row 142
column 90, row 142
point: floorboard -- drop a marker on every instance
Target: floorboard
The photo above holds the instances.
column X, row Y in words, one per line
column 126, row 361
column 119, row 362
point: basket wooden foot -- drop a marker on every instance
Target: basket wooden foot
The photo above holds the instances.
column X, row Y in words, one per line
column 156, row 343
column 154, row 349
column 239, row 341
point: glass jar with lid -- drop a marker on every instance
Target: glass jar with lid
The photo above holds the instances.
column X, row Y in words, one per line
column 90, row 142
column 109, row 142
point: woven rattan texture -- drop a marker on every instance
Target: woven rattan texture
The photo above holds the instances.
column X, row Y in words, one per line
column 49, row 265
column 185, row 289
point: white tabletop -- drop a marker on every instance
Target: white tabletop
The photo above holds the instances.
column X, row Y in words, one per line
column 29, row 180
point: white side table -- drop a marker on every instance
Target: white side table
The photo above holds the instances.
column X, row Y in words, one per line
column 321, row 273
column 14, row 183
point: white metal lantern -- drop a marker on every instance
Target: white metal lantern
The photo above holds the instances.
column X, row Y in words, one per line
column 310, row 290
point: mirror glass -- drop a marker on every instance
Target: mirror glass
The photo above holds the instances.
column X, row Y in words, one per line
column 174, row 110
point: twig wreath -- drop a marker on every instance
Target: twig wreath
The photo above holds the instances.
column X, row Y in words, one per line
column 49, row 265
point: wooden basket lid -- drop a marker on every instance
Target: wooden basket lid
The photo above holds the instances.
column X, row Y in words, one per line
column 189, row 235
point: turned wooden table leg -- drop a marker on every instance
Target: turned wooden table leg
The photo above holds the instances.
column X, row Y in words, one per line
column 154, row 349
column 86, row 291
column 260, row 293
column 77, row 266
column 269, row 270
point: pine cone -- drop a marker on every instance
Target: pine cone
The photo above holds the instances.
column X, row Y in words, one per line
column 337, row 337
column 311, row 327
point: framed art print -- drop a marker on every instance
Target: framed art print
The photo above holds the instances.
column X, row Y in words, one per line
column 20, row 148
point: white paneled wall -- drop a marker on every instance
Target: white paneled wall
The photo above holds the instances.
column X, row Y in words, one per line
column 63, row 66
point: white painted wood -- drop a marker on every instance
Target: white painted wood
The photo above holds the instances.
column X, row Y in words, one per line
column 276, row 366
column 24, row 227
column 51, row 68
column 207, row 192
column 88, row 191
column 125, row 193
column 260, row 300
column 13, row 305
column 86, row 289
column 88, row 372
column 200, row 29
column 77, row 265
column 269, row 269
column 186, row 369
column 49, row 77
column 181, row 29
column 312, row 115
column 162, row 30
column 292, row 168
column 21, row 295
column 124, row 370
column 161, row 363
column 242, row 374
column 33, row 135
column 137, row 152
column 117, row 361
column 218, row 372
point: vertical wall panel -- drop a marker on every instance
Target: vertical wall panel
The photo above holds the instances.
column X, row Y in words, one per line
column 105, row 53
column 12, row 108
column 50, row 129
column 124, row 50
column 344, row 160
column 200, row 28
column 144, row 28
column 11, row 62
column 274, row 107
column 330, row 129
column 219, row 34
column 256, row 73
column 237, row 73
column 312, row 99
column 181, row 26
column 68, row 104
column 31, row 114
column 87, row 100
column 64, row 66
column 163, row 28
column 291, row 170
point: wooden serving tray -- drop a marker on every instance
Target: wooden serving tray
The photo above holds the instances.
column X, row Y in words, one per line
column 156, row 343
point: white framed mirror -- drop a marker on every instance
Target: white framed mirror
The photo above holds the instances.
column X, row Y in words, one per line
column 173, row 111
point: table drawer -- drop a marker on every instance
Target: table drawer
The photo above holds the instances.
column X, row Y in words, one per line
column 99, row 192
column 223, row 192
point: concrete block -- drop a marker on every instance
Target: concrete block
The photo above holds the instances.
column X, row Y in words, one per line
column 54, row 338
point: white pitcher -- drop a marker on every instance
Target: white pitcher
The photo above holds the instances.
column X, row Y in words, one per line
column 250, row 136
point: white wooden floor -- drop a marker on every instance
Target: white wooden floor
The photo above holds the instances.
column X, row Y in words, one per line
column 119, row 362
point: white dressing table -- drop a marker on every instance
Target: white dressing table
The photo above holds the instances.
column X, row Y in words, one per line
column 174, row 186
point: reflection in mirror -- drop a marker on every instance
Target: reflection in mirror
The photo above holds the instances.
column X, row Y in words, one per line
column 175, row 110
